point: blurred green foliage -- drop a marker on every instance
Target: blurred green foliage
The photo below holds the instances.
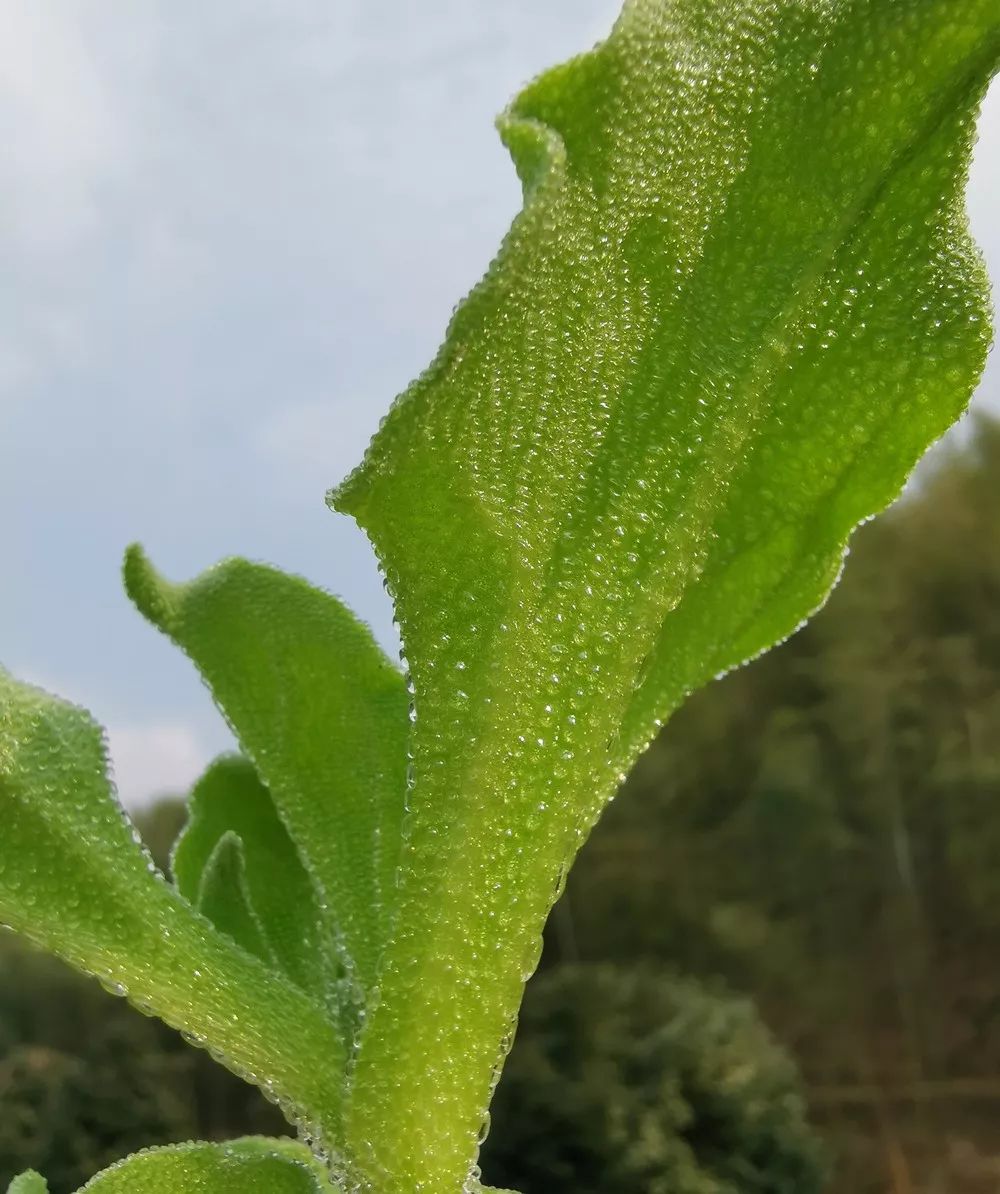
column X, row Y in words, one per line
column 821, row 829
column 634, row 1081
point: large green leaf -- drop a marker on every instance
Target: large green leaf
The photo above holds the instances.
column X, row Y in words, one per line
column 74, row 879
column 322, row 714
column 230, row 799
column 740, row 302
column 251, row 1166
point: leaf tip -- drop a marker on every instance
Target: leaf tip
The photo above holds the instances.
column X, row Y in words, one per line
column 535, row 148
column 28, row 1182
column 153, row 595
column 338, row 497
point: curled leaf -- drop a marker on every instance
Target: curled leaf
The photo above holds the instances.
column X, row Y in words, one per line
column 230, row 799
column 223, row 898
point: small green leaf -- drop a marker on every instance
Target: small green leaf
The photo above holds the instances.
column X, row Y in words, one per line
column 28, row 1182
column 740, row 302
column 320, row 711
column 252, row 1166
column 75, row 880
column 229, row 798
column 223, row 898
column 284, row 1146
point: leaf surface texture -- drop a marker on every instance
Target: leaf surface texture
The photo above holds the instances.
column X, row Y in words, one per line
column 739, row 303
column 323, row 716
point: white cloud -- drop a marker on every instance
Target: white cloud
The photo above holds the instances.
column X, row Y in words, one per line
column 155, row 759
column 60, row 130
column 63, row 139
column 984, row 179
column 316, row 443
column 984, row 185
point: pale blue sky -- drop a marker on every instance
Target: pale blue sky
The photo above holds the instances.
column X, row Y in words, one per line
column 229, row 235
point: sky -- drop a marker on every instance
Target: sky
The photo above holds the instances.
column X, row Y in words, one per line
column 229, row 236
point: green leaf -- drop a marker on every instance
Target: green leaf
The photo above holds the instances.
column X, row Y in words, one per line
column 251, row 1166
column 229, row 798
column 323, row 716
column 75, row 880
column 28, row 1182
column 224, row 899
column 740, row 302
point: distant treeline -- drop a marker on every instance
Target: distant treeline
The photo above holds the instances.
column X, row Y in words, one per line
column 820, row 830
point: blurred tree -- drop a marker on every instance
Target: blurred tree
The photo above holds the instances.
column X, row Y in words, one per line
column 637, row 1082
column 69, row 1115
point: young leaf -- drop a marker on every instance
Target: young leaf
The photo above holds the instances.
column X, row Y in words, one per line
column 28, row 1182
column 229, row 798
column 75, row 880
column 224, row 899
column 739, row 303
column 322, row 714
column 252, row 1166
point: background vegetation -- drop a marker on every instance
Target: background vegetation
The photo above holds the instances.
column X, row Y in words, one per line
column 819, row 831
